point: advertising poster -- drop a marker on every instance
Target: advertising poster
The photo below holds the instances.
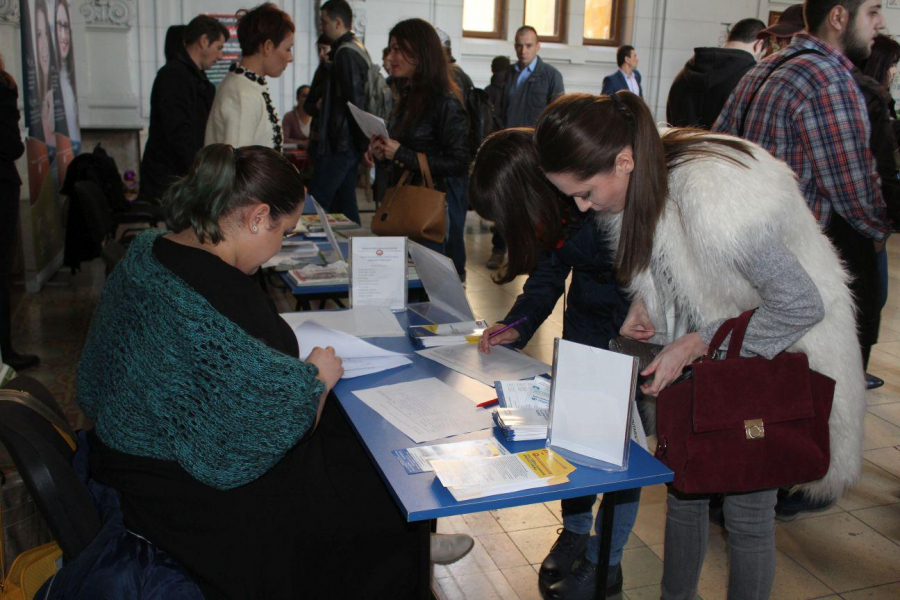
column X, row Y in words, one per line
column 230, row 53
column 54, row 137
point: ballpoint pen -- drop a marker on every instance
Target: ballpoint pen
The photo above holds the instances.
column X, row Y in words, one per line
column 510, row 326
column 488, row 403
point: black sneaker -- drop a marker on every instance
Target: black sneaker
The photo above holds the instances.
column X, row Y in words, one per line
column 569, row 547
column 582, row 582
column 791, row 505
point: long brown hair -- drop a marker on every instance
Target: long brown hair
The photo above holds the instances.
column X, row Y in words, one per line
column 581, row 134
column 420, row 43
column 507, row 187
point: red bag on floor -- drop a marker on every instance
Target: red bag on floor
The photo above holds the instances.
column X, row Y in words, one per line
column 744, row 424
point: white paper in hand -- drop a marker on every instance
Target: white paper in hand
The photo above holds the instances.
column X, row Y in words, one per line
column 369, row 123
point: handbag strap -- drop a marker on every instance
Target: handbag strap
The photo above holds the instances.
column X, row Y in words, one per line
column 386, row 203
column 737, row 327
column 426, row 172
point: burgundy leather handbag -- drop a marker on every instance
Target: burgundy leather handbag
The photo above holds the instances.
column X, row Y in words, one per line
column 744, row 424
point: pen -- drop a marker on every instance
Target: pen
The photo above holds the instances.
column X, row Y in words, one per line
column 489, row 403
column 510, row 326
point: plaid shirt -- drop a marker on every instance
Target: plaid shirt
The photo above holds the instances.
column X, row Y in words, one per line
column 811, row 114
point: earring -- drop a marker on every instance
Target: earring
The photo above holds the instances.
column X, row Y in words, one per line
column 254, row 229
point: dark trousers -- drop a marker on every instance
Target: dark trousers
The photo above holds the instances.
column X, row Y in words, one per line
column 9, row 220
column 457, row 206
column 498, row 244
column 858, row 254
column 334, row 183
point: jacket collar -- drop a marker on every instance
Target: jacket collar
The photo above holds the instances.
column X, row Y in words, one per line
column 184, row 57
column 347, row 37
column 805, row 40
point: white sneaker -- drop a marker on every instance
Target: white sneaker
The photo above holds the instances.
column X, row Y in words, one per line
column 448, row 548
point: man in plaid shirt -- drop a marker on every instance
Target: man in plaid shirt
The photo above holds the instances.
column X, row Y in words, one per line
column 803, row 106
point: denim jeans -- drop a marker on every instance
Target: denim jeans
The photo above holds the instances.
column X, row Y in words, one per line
column 750, row 522
column 334, row 183
column 457, row 206
column 623, row 522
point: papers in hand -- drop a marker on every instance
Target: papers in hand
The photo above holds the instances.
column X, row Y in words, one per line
column 425, row 410
column 362, row 321
column 502, row 363
column 469, row 478
column 418, row 460
column 534, row 393
column 369, row 124
column 359, row 357
column 446, row 334
column 519, row 424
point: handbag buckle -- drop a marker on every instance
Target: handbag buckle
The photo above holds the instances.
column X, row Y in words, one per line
column 754, row 429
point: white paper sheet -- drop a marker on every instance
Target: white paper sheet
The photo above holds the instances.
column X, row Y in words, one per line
column 360, row 358
column 441, row 281
column 378, row 272
column 501, row 364
column 592, row 398
column 369, row 123
column 418, row 459
column 362, row 321
column 427, row 409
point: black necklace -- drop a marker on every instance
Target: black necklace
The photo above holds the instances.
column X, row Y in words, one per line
column 277, row 137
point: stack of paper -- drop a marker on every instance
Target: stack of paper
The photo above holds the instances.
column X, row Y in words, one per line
column 526, row 393
column 468, row 478
column 418, row 460
column 336, row 220
column 446, row 334
column 299, row 247
column 502, row 363
column 520, row 424
column 359, row 357
column 362, row 321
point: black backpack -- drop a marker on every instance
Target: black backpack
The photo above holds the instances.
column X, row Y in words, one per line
column 101, row 168
column 482, row 120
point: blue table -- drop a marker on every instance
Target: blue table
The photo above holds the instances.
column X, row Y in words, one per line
column 422, row 497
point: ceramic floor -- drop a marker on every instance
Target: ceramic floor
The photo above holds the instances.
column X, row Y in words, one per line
column 852, row 551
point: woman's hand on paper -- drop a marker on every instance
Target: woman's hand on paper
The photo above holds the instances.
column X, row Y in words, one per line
column 671, row 361
column 507, row 337
column 637, row 325
column 330, row 366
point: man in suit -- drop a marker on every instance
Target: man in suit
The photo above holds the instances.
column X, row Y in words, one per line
column 627, row 77
column 531, row 85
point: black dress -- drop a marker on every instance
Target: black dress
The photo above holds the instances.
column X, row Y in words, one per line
column 320, row 524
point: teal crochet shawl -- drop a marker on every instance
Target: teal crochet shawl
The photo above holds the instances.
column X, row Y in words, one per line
column 164, row 375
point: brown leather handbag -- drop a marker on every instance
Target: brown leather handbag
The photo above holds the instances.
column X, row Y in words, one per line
column 417, row 212
column 744, row 424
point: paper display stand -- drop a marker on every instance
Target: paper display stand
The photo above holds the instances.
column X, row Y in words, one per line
column 441, row 282
column 378, row 273
column 591, row 405
column 335, row 254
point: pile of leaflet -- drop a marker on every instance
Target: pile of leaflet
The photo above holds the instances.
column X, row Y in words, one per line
column 446, row 334
column 520, row 424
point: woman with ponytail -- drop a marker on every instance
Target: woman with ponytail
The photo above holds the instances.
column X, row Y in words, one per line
column 705, row 227
column 215, row 433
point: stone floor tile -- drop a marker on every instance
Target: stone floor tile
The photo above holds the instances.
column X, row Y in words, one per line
column 876, row 487
column 503, row 551
column 880, row 433
column 524, row 580
column 882, row 592
column 524, row 517
column 883, row 519
column 886, row 458
column 534, row 544
column 888, row 412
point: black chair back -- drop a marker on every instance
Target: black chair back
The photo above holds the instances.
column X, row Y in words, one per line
column 97, row 212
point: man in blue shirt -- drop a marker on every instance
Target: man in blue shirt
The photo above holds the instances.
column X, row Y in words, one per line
column 627, row 77
column 531, row 85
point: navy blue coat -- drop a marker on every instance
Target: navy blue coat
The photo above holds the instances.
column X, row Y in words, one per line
column 615, row 82
column 522, row 107
column 596, row 306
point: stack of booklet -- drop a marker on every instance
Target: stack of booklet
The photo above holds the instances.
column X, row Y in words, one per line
column 336, row 220
column 520, row 424
column 468, row 478
column 446, row 334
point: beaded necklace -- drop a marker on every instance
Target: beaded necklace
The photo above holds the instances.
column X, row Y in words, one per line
column 277, row 137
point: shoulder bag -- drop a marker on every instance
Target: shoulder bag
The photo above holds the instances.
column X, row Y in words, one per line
column 417, row 212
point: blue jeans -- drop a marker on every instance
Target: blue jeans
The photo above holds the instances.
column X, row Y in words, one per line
column 750, row 521
column 334, row 183
column 457, row 206
column 623, row 522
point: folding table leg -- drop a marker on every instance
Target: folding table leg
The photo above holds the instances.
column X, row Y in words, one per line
column 609, row 510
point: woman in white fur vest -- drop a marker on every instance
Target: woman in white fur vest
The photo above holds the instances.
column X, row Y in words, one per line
column 704, row 228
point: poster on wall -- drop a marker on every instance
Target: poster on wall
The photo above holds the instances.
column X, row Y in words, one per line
column 54, row 136
column 231, row 52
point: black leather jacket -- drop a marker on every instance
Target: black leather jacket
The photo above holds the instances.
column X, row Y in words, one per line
column 346, row 82
column 440, row 134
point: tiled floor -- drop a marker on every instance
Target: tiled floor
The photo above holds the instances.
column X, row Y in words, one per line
column 851, row 551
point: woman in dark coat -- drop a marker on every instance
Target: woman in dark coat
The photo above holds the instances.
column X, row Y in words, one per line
column 11, row 148
column 430, row 117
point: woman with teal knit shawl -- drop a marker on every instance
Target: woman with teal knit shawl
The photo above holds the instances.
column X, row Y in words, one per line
column 217, row 436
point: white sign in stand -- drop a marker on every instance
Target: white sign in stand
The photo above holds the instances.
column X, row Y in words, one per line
column 378, row 272
column 441, row 282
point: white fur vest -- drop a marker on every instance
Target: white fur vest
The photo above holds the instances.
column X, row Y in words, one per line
column 717, row 211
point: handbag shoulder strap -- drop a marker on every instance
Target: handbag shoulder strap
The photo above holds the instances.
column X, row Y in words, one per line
column 426, row 172
column 737, row 327
column 777, row 66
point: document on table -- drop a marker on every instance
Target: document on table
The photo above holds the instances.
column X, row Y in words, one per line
column 329, row 233
column 418, row 460
column 362, row 321
column 441, row 282
column 359, row 357
column 378, row 272
column 590, row 415
column 425, row 410
column 501, row 364
column 369, row 123
column 525, row 393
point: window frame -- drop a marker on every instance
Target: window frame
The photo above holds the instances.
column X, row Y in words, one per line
column 561, row 10
column 615, row 26
column 499, row 31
